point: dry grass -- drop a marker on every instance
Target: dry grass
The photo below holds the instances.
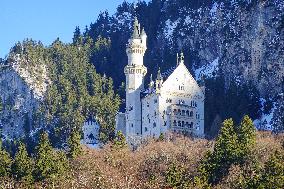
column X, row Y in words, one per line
column 146, row 167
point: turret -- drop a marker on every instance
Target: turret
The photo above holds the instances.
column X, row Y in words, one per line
column 180, row 59
column 137, row 45
column 135, row 72
column 136, row 29
column 144, row 38
column 151, row 84
column 159, row 81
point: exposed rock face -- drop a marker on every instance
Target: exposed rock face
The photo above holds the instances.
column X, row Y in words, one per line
column 36, row 78
column 19, row 104
column 246, row 36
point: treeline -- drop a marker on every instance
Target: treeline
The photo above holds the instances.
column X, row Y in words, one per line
column 46, row 163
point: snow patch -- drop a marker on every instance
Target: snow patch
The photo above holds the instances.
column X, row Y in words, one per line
column 170, row 27
column 265, row 121
column 207, row 71
column 213, row 10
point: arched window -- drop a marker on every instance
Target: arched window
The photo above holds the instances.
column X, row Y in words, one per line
column 187, row 112
column 191, row 114
column 175, row 123
column 191, row 125
column 154, row 124
column 183, row 112
column 179, row 112
column 179, row 123
column 182, row 123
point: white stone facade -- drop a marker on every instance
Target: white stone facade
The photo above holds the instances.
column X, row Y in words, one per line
column 174, row 102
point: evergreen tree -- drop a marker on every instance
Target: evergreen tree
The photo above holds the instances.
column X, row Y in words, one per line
column 49, row 164
column 5, row 162
column 23, row 165
column 273, row 173
column 75, row 148
column 232, row 146
column 77, row 37
column 246, row 137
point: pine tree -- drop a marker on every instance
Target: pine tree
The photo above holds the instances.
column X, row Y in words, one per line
column 215, row 165
column 232, row 146
column 273, row 173
column 5, row 162
column 246, row 137
column 23, row 165
column 49, row 164
column 44, row 158
column 75, row 148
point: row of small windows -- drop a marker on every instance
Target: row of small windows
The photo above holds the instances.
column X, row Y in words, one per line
column 183, row 112
column 137, row 51
column 183, row 124
column 169, row 100
column 132, row 71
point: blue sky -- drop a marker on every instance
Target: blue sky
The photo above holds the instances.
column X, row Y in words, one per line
column 46, row 20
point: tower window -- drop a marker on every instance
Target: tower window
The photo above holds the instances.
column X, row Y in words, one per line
column 169, row 100
column 154, row 125
column 181, row 88
column 187, row 112
column 175, row 111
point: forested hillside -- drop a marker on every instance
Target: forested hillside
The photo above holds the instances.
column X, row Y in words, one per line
column 53, row 89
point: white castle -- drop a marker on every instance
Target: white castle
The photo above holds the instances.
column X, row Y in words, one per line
column 174, row 102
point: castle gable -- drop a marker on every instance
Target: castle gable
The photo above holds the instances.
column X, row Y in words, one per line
column 181, row 81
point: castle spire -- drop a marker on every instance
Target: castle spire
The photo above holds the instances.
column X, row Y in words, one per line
column 181, row 58
column 177, row 59
column 159, row 75
column 136, row 29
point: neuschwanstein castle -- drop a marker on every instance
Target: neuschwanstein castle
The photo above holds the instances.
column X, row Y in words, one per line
column 173, row 102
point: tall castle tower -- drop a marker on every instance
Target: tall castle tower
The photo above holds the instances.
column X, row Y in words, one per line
column 135, row 72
